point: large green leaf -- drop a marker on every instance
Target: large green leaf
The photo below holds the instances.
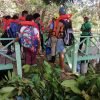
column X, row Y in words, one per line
column 72, row 84
column 81, row 79
column 98, row 84
column 6, row 89
column 42, row 83
column 47, row 67
column 36, row 78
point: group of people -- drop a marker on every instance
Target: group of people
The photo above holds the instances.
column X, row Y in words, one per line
column 28, row 29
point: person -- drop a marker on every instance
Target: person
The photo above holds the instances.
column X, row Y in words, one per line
column 40, row 26
column 61, row 27
column 53, row 37
column 48, row 48
column 12, row 31
column 6, row 22
column 23, row 16
column 14, row 27
column 86, row 30
column 29, row 39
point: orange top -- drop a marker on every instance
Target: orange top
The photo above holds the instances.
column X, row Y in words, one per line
column 62, row 17
column 6, row 23
column 30, row 23
column 22, row 18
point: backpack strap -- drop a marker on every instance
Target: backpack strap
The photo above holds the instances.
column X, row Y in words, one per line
column 65, row 23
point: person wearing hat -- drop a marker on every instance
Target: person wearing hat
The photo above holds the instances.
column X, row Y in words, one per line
column 86, row 30
column 60, row 48
column 53, row 37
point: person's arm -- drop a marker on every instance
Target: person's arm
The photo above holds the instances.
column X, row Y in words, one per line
column 17, row 39
column 51, row 29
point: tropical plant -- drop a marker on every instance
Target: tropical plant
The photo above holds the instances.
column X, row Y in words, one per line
column 44, row 83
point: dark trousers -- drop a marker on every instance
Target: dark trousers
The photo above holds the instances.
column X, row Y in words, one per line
column 9, row 48
column 30, row 56
column 81, row 39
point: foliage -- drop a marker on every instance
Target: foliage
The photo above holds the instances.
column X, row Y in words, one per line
column 47, row 9
column 41, row 84
column 44, row 83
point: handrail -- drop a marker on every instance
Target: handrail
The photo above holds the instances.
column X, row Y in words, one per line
column 17, row 51
column 72, row 54
column 8, row 45
column 7, row 39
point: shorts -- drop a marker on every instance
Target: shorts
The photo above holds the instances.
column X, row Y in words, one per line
column 60, row 46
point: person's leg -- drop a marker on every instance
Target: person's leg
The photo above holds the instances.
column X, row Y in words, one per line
column 27, row 55
column 53, row 48
column 81, row 39
column 33, row 57
column 61, row 61
column 61, row 51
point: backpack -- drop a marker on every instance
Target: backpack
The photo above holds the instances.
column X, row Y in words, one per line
column 13, row 30
column 28, row 38
column 68, row 37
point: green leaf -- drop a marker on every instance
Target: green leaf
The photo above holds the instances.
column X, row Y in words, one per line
column 36, row 78
column 81, row 80
column 98, row 83
column 47, row 67
column 85, row 95
column 26, row 68
column 94, row 89
column 19, row 91
column 68, row 83
column 36, row 93
column 72, row 84
column 6, row 89
column 42, row 83
column 76, row 98
column 9, row 75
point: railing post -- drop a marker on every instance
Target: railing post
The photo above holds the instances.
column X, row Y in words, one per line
column 99, row 37
column 87, row 45
column 75, row 57
column 18, row 59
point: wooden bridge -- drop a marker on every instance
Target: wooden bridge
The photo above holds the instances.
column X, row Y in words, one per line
column 72, row 55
